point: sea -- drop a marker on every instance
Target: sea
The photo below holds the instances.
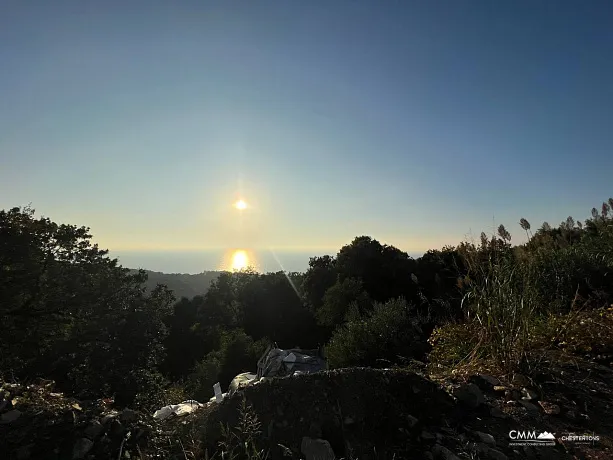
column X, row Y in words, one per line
column 198, row 261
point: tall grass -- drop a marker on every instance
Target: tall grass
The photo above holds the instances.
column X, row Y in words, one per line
column 241, row 442
column 500, row 302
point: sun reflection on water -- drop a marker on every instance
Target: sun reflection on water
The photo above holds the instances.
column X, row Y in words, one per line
column 239, row 259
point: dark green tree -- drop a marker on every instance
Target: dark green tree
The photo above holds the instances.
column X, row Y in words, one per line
column 71, row 313
column 320, row 276
column 385, row 271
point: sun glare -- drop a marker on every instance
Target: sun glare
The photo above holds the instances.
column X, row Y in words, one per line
column 240, row 260
column 240, row 204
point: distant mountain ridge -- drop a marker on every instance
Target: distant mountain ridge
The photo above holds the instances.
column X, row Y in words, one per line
column 182, row 284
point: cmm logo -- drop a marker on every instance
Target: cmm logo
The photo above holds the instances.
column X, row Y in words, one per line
column 531, row 438
column 522, row 435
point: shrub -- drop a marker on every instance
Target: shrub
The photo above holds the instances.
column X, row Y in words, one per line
column 561, row 275
column 238, row 353
column 452, row 343
column 578, row 332
column 391, row 332
column 338, row 299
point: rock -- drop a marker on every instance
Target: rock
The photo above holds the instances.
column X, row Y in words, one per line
column 70, row 417
column 316, row 449
column 512, row 395
column 315, row 430
column 117, row 430
column 485, row 438
column 442, row 453
column 528, row 394
column 549, row 408
column 412, row 421
column 4, row 404
column 348, row 421
column 140, row 432
column 469, row 395
column 484, row 381
column 24, row 452
column 500, row 388
column 81, row 448
column 497, row 413
column 494, row 454
column 520, row 380
column 128, row 416
column 529, row 452
column 94, row 430
column 480, row 449
column 531, row 408
column 10, row 416
column 427, row 436
column 107, row 418
column 428, row 456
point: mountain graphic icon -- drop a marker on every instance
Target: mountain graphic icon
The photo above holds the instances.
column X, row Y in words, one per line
column 546, row 436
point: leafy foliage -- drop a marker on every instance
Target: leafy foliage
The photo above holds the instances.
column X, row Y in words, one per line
column 238, row 353
column 71, row 313
column 389, row 333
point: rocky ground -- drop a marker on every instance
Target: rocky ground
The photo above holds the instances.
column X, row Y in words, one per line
column 355, row 413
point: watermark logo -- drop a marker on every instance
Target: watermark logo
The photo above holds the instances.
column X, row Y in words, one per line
column 580, row 438
column 534, row 438
column 531, row 438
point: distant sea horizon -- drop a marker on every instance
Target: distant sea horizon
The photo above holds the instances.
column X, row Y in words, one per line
column 198, row 261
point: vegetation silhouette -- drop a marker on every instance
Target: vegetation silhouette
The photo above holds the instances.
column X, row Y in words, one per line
column 72, row 314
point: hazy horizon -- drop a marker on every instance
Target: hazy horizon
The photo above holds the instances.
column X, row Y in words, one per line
column 197, row 261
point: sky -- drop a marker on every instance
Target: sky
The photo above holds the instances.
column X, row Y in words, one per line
column 414, row 122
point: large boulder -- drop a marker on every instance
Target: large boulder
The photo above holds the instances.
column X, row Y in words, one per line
column 379, row 402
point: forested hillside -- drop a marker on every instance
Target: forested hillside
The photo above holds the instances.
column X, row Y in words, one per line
column 71, row 314
column 181, row 284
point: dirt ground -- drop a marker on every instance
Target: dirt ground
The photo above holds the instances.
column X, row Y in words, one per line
column 362, row 413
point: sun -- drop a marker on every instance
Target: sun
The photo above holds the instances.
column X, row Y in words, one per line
column 240, row 260
column 240, row 204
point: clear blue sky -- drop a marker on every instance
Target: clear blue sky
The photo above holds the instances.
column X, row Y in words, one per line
column 412, row 122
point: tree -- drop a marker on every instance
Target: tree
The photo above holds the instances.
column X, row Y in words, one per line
column 320, row 276
column 70, row 312
column 385, row 271
column 273, row 309
column 186, row 343
column 338, row 299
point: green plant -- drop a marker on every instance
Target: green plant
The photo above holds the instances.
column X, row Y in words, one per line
column 242, row 442
column 452, row 343
column 238, row 353
column 391, row 332
column 500, row 301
